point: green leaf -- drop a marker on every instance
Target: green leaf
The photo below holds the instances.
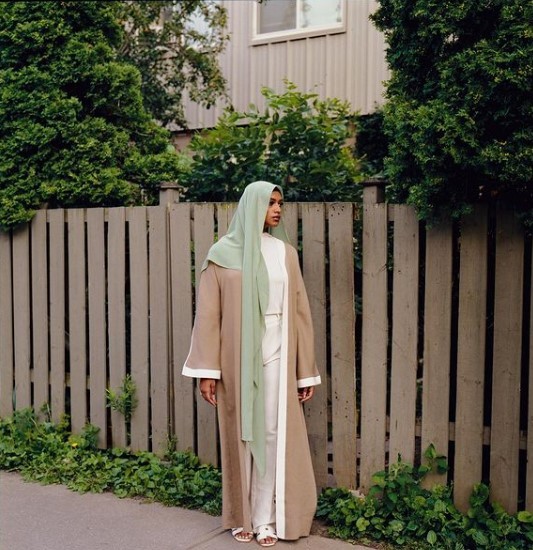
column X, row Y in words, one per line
column 525, row 517
column 431, row 537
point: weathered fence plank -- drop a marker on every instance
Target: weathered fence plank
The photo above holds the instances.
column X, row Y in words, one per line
column 159, row 337
column 56, row 232
column 139, row 328
column 404, row 335
column 225, row 213
column 290, row 221
column 116, row 298
column 437, row 343
column 374, row 342
column 77, row 309
column 342, row 342
column 22, row 316
column 314, row 273
column 470, row 356
column 97, row 321
column 204, row 228
column 39, row 315
column 505, row 429
column 181, row 289
column 6, row 327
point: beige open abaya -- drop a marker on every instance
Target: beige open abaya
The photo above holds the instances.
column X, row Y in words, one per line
column 215, row 353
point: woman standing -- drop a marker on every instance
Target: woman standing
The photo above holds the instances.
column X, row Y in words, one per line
column 252, row 348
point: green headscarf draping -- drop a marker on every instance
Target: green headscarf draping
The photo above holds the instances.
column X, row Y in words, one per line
column 240, row 249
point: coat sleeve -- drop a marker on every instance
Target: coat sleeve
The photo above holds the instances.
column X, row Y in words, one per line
column 306, row 369
column 203, row 360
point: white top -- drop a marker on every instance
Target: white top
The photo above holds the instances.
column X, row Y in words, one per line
column 273, row 251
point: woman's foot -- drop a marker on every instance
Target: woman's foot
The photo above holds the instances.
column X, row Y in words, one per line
column 266, row 536
column 240, row 535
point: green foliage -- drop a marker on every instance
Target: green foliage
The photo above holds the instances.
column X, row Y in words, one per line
column 125, row 399
column 48, row 453
column 399, row 510
column 458, row 116
column 175, row 45
column 73, row 128
column 371, row 143
column 298, row 141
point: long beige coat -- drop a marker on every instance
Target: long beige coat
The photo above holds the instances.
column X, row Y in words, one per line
column 215, row 353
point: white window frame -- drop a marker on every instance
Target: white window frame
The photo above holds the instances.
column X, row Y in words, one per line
column 294, row 34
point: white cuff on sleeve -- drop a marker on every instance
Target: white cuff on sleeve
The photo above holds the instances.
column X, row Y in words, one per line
column 201, row 373
column 312, row 381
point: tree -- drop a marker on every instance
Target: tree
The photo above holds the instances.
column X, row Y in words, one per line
column 458, row 116
column 175, row 45
column 298, row 141
column 73, row 129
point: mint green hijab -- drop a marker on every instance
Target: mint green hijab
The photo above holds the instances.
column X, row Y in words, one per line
column 240, row 249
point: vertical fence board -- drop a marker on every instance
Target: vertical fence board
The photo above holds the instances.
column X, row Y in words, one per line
column 225, row 213
column 22, row 316
column 206, row 414
column 505, row 432
column 57, row 312
column 77, row 318
column 470, row 356
column 39, row 317
column 374, row 342
column 181, row 288
column 314, row 271
column 97, row 324
column 342, row 331
column 139, row 346
column 404, row 335
column 159, row 337
column 6, row 327
column 529, row 467
column 290, row 221
column 116, row 294
column 437, row 342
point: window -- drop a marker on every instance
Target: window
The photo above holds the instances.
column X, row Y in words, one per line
column 284, row 17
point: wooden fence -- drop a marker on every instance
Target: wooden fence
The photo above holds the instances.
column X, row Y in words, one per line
column 421, row 336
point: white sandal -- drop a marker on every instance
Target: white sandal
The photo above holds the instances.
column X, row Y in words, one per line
column 264, row 532
column 246, row 537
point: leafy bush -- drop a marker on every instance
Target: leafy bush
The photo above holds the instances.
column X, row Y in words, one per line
column 299, row 141
column 371, row 142
column 48, row 453
column 459, row 116
column 399, row 510
column 173, row 54
column 73, row 128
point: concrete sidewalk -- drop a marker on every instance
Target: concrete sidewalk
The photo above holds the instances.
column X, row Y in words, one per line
column 37, row 517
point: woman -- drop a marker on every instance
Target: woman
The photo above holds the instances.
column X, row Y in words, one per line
column 252, row 348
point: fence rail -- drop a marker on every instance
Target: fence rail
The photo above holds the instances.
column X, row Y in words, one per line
column 422, row 336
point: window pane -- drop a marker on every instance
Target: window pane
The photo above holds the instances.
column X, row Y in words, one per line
column 277, row 15
column 320, row 13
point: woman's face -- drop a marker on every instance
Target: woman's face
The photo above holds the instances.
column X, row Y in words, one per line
column 273, row 214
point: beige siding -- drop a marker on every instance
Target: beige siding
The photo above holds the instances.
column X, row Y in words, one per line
column 349, row 65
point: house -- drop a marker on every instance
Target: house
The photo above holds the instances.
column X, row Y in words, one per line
column 329, row 46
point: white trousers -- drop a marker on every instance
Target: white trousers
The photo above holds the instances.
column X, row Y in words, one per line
column 263, row 488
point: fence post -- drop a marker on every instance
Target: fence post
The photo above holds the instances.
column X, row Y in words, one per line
column 374, row 335
column 374, row 190
column 169, row 193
